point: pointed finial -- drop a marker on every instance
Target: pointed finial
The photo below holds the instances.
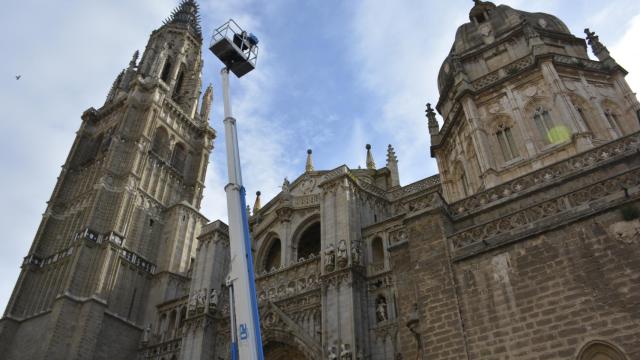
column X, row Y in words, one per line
column 391, row 155
column 134, row 59
column 432, row 122
column 309, row 166
column 599, row 50
column 257, row 205
column 205, row 108
column 370, row 163
column 392, row 165
column 187, row 13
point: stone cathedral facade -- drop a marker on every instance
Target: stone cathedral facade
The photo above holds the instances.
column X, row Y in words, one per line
column 526, row 245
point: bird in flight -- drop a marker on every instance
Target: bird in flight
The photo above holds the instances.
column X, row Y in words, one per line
column 18, row 77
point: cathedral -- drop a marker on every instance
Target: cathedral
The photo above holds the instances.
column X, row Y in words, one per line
column 525, row 246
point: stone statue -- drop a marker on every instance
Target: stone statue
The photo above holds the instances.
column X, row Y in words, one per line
column 355, row 254
column 329, row 258
column 345, row 353
column 342, row 256
column 193, row 302
column 286, row 185
column 381, row 310
column 147, row 334
column 201, row 298
column 213, row 299
column 332, row 353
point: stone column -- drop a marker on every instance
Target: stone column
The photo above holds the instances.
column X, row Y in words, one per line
column 343, row 283
column 203, row 311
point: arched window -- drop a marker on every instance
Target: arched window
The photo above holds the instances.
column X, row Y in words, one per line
column 544, row 123
column 178, row 88
column 309, row 242
column 160, row 142
column 179, row 157
column 612, row 120
column 583, row 118
column 166, row 70
column 600, row 351
column 274, row 255
column 507, row 144
column 638, row 115
column 377, row 251
column 183, row 317
column 460, row 182
column 172, row 324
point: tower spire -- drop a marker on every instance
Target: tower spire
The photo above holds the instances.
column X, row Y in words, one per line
column 370, row 163
column 392, row 165
column 309, row 166
column 257, row 205
column 187, row 14
column 432, row 122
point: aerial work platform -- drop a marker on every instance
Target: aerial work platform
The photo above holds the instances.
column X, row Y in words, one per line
column 236, row 48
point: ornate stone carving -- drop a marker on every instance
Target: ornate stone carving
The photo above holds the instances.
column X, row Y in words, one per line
column 332, row 353
column 523, row 218
column 329, row 258
column 213, row 299
column 345, row 352
column 356, row 255
column 342, row 258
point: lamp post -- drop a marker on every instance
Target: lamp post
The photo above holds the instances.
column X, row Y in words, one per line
column 238, row 50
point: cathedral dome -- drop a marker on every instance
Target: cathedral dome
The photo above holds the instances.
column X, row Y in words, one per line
column 499, row 21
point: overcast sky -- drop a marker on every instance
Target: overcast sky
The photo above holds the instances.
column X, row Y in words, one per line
column 332, row 76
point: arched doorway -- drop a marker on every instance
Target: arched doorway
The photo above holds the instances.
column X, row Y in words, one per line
column 275, row 350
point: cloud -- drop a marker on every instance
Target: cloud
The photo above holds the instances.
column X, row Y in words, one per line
column 627, row 53
column 399, row 47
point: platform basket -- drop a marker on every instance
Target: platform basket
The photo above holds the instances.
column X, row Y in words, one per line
column 235, row 48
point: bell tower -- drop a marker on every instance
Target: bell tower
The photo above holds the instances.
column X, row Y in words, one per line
column 119, row 232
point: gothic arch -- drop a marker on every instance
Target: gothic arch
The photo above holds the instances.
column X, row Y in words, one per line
column 377, row 251
column 587, row 114
column 179, row 157
column 505, row 138
column 263, row 253
column 160, row 143
column 543, row 120
column 613, row 116
column 280, row 344
column 307, row 238
column 600, row 350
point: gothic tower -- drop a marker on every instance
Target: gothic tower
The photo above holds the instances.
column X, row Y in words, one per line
column 119, row 232
column 518, row 92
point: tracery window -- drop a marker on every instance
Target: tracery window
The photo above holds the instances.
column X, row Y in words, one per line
column 612, row 119
column 544, row 123
column 507, row 144
column 583, row 117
